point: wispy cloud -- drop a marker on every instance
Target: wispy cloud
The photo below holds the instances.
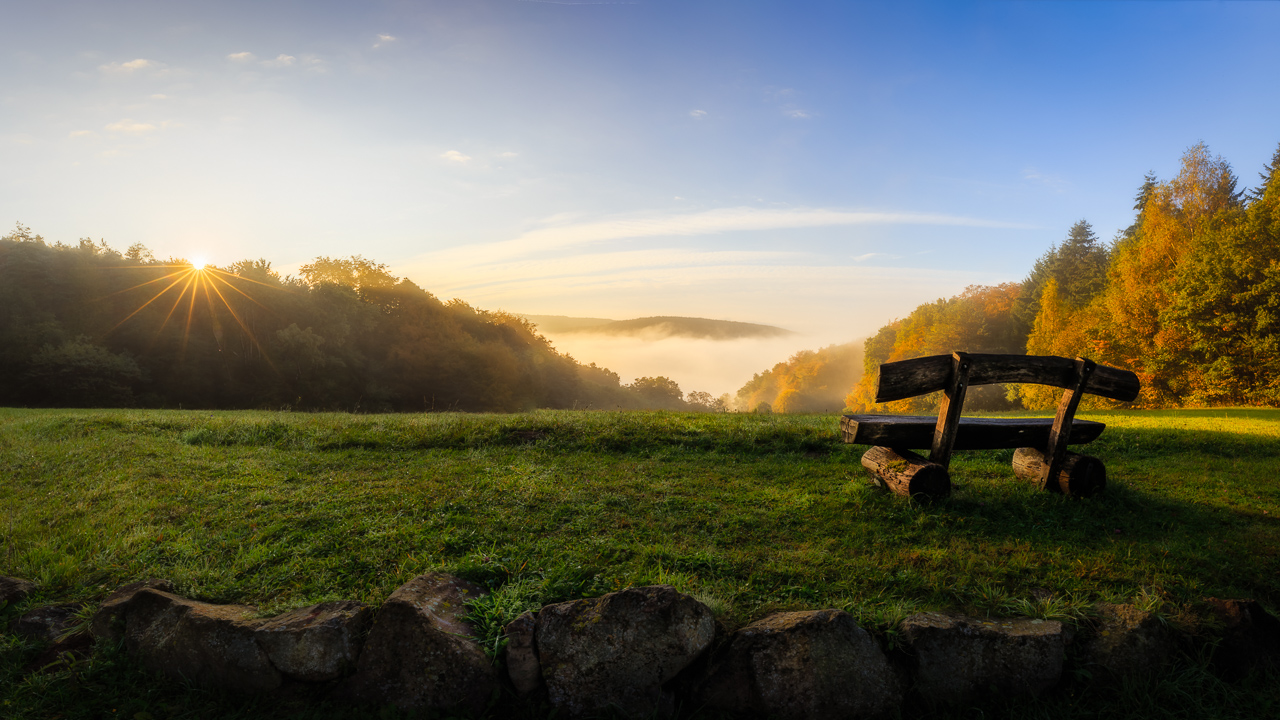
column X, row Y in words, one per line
column 129, row 127
column 1053, row 182
column 456, row 157
column 797, row 113
column 697, row 114
column 245, row 56
column 508, row 154
column 711, row 222
column 81, row 133
column 383, row 39
column 132, row 66
column 281, row 60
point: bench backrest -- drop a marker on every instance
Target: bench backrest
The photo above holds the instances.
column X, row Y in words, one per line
column 954, row 373
column 909, row 378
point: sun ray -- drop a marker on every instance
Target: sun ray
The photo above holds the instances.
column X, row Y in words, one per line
column 252, row 338
column 176, row 303
column 213, row 313
column 186, row 331
column 135, row 287
column 145, row 304
column 246, row 279
column 233, row 287
column 193, row 279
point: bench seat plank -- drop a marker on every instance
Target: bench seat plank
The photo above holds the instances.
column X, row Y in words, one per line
column 916, row 431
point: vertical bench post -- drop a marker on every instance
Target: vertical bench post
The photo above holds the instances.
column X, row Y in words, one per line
column 944, row 433
column 1056, row 449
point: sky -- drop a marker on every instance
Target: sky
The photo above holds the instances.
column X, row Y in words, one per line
column 821, row 166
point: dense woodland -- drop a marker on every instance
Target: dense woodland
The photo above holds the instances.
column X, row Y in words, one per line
column 1188, row 297
column 87, row 326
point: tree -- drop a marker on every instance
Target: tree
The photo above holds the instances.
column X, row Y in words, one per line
column 78, row 373
column 1078, row 266
column 659, row 392
column 1198, row 201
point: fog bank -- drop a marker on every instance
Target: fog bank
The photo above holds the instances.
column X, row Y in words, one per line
column 714, row 366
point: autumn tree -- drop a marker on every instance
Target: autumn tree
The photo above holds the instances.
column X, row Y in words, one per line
column 979, row 320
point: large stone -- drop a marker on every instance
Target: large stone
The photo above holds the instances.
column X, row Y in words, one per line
column 956, row 656
column 522, row 655
column 616, row 652
column 421, row 653
column 14, row 590
column 817, row 664
column 1128, row 641
column 213, row 646
column 1249, row 637
column 47, row 623
column 108, row 621
column 316, row 643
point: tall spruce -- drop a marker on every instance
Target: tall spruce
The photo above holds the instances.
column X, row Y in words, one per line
column 1079, row 267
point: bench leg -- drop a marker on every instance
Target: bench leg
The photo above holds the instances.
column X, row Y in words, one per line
column 1081, row 475
column 906, row 473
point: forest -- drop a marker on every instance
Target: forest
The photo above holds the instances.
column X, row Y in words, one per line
column 1187, row 297
column 87, row 326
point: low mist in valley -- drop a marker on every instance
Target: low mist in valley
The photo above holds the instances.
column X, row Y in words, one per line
column 713, row 366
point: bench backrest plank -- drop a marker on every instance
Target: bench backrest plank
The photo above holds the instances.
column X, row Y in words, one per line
column 909, row 378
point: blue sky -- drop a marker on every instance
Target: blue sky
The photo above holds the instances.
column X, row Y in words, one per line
column 825, row 166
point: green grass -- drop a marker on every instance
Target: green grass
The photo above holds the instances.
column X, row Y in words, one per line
column 748, row 513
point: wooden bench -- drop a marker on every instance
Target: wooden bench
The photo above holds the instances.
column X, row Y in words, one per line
column 1042, row 454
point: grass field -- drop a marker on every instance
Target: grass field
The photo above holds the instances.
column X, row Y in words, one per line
column 748, row 513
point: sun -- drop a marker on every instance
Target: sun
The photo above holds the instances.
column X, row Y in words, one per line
column 198, row 263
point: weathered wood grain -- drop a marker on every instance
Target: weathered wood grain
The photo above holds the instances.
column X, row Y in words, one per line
column 916, row 431
column 906, row 473
column 944, row 432
column 1055, row 449
column 909, row 378
column 1077, row 475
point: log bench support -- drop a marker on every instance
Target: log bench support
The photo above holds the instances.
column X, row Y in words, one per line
column 906, row 473
column 1042, row 456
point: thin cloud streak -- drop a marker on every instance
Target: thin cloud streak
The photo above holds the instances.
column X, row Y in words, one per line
column 709, row 222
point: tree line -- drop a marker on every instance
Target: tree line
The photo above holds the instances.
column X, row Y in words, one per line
column 87, row 326
column 1187, row 297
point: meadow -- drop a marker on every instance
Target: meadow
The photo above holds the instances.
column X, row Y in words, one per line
column 748, row 513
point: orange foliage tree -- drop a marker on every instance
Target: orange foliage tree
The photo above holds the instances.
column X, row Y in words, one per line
column 978, row 320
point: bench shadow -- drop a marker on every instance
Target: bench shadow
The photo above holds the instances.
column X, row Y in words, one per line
column 1188, row 502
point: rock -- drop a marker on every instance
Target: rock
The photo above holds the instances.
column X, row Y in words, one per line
column 14, row 590
column 47, row 623
column 522, row 655
column 316, row 643
column 108, row 621
column 957, row 656
column 213, row 646
column 421, row 653
column 817, row 664
column 617, row 651
column 1129, row 641
column 1250, row 637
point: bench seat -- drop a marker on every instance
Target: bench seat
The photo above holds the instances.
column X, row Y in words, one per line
column 916, row 431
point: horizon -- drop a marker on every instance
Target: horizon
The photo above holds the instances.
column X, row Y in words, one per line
column 825, row 169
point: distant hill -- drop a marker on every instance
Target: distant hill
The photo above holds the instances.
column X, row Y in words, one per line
column 658, row 327
column 564, row 323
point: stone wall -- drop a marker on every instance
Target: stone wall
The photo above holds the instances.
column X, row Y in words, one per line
column 642, row 652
